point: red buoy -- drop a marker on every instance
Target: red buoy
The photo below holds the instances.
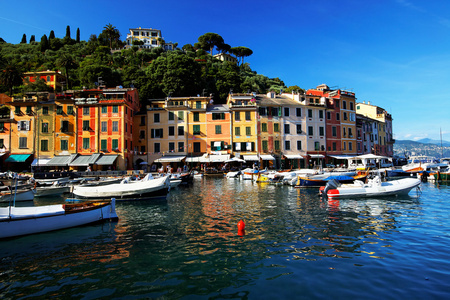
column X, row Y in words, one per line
column 241, row 225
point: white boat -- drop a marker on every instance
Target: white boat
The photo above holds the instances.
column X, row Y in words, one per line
column 148, row 187
column 175, row 182
column 6, row 195
column 374, row 188
column 420, row 163
column 17, row 221
column 233, row 174
column 56, row 189
column 50, row 181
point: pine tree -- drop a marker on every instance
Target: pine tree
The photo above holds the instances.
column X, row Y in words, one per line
column 44, row 43
column 24, row 39
column 78, row 34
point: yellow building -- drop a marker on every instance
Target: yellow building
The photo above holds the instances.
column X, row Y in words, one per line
column 244, row 122
column 53, row 79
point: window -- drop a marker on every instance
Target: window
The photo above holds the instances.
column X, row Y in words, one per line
column 44, row 145
column 277, row 145
column 351, row 106
column 338, row 117
column 264, row 127
column 248, row 116
column 310, row 130
column 171, row 146
column 344, row 133
column 344, row 104
column 328, row 115
column 115, row 126
column 70, row 110
column 115, row 109
column 218, row 116
column 156, row 133
column 171, row 130
column 298, row 111
column 287, row 129
column 156, row 118
column 86, row 143
column 345, row 116
column 198, row 104
column 237, row 131
column 299, row 145
column 350, row 146
column 17, row 110
column 276, row 127
column 171, row 116
column 115, row 144
column 22, row 142
column 310, row 113
column 218, row 129
column 180, row 115
column 321, row 114
column 64, row 145
column 104, row 109
column 333, row 131
column 196, row 116
column 2, row 126
column 180, row 130
column 23, row 125
column 286, row 111
column 86, row 111
column 142, row 134
column 248, row 130
column 44, row 128
column 299, row 128
column 29, row 111
column 104, row 126
column 45, row 110
column 237, row 116
column 264, row 145
column 287, row 145
column 103, row 145
column 334, row 146
column 196, row 129
column 59, row 110
column 180, row 146
column 316, row 146
column 350, row 133
column 86, row 125
column 345, row 146
column 321, row 131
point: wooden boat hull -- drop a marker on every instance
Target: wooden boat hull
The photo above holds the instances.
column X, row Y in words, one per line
column 20, row 195
column 442, row 176
column 18, row 221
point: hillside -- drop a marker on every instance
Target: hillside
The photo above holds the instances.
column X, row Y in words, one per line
column 408, row 148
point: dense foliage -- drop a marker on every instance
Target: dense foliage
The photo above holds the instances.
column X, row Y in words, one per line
column 156, row 73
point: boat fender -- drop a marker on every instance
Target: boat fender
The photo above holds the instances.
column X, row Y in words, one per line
column 333, row 192
column 241, row 228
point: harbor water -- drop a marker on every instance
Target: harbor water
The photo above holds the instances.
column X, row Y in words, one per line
column 295, row 246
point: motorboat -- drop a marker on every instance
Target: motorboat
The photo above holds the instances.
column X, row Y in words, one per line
column 11, row 194
column 56, row 189
column 373, row 188
column 251, row 174
column 233, row 174
column 18, row 221
column 322, row 179
column 148, row 187
column 420, row 163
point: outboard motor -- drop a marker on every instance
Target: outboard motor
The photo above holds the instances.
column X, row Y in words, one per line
column 331, row 184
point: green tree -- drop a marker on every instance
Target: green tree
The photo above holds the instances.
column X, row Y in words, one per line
column 294, row 88
column 51, row 35
column 24, row 39
column 10, row 77
column 241, row 52
column 210, row 40
column 32, row 39
column 44, row 43
column 68, row 32
column 66, row 61
column 112, row 34
column 78, row 35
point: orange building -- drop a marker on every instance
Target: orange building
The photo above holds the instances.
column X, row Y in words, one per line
column 218, row 127
column 53, row 79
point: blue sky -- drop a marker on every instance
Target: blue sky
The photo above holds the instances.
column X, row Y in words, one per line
column 393, row 53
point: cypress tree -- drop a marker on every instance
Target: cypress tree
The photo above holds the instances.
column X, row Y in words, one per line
column 44, row 43
column 24, row 39
column 68, row 32
column 78, row 34
column 51, row 36
column 32, row 38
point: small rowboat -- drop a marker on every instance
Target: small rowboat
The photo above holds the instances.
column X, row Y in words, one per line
column 18, row 221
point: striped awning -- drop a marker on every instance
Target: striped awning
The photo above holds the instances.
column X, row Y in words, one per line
column 293, row 156
column 60, row 161
column 85, row 160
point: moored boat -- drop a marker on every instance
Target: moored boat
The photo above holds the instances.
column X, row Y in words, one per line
column 148, row 187
column 321, row 180
column 8, row 195
column 373, row 188
column 18, row 221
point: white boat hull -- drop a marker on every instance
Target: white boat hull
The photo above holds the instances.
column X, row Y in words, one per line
column 51, row 191
column 381, row 189
column 157, row 187
column 18, row 221
column 20, row 195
